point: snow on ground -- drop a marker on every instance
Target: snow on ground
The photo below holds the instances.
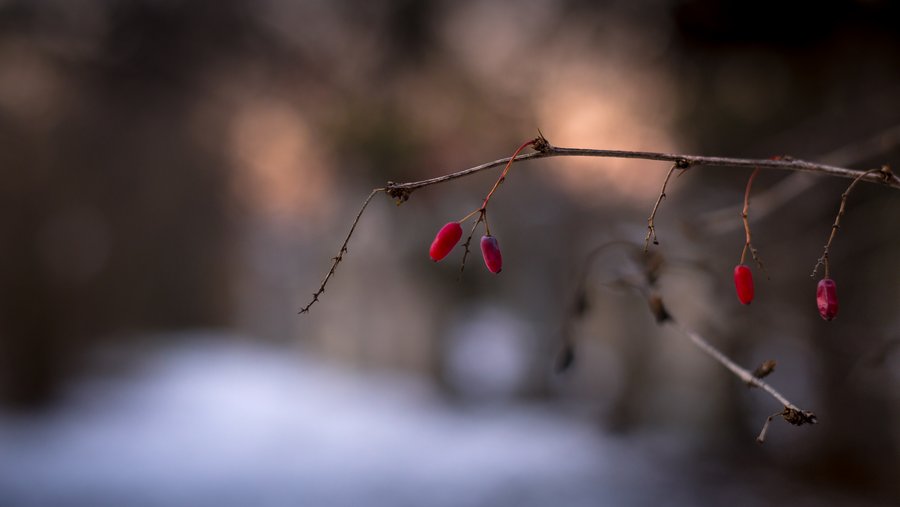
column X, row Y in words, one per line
column 239, row 425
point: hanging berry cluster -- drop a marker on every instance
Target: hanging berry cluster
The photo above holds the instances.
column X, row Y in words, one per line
column 449, row 235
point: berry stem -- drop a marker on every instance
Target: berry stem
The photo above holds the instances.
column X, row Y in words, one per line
column 470, row 215
column 502, row 177
column 745, row 217
column 886, row 175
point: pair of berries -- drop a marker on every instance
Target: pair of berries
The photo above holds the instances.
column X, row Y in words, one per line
column 449, row 236
column 826, row 291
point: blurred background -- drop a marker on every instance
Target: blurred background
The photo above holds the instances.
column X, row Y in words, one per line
column 177, row 176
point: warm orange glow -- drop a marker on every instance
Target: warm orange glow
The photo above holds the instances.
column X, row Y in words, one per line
column 603, row 108
column 280, row 170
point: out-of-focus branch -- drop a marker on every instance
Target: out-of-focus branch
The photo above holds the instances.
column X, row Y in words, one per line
column 645, row 284
column 791, row 413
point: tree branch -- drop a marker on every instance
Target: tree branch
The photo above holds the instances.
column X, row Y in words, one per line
column 400, row 192
column 546, row 150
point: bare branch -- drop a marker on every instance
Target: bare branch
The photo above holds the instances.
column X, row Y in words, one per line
column 401, row 192
column 546, row 150
column 340, row 256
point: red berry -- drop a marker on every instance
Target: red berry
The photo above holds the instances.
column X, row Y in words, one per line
column 490, row 250
column 743, row 282
column 446, row 239
column 826, row 298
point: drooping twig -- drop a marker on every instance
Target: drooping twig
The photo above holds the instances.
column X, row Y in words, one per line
column 340, row 256
column 651, row 228
column 401, row 192
column 886, row 176
column 748, row 244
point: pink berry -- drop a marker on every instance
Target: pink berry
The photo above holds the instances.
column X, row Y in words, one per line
column 826, row 298
column 743, row 283
column 490, row 250
column 445, row 240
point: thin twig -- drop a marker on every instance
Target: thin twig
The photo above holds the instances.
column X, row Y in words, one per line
column 651, row 228
column 487, row 199
column 748, row 244
column 886, row 176
column 462, row 266
column 340, row 256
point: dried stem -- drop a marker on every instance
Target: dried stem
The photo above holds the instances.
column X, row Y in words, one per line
column 340, row 256
column 886, row 176
column 651, row 228
column 748, row 244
